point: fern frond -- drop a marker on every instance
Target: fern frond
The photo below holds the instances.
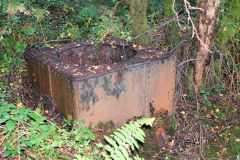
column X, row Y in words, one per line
column 120, row 155
column 137, row 158
column 117, row 139
column 124, row 152
column 119, row 135
column 111, row 141
column 109, row 148
column 125, row 140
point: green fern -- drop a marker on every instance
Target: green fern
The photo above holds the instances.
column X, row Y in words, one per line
column 125, row 140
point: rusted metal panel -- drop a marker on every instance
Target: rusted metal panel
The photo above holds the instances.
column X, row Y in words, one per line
column 126, row 93
column 105, row 83
column 39, row 76
column 61, row 91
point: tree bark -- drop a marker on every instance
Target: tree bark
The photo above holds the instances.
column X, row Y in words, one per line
column 206, row 29
column 138, row 10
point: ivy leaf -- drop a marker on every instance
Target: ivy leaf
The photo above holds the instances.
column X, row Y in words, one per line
column 16, row 118
column 38, row 111
column 91, row 136
column 3, row 120
column 44, row 128
column 6, row 154
column 55, row 144
column 10, row 125
column 34, row 116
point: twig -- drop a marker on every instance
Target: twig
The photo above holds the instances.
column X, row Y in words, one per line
column 2, row 139
column 188, row 7
column 164, row 24
column 186, row 62
column 176, row 14
column 18, row 142
column 194, row 29
column 191, row 7
column 53, row 41
column 58, row 40
column 201, row 143
column 14, row 141
column 66, row 153
column 179, row 45
column 3, row 127
column 72, row 47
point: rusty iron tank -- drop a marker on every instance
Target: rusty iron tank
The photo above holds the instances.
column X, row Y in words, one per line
column 102, row 81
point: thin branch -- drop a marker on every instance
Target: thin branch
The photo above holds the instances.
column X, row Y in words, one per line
column 47, row 120
column 164, row 24
column 188, row 7
column 186, row 62
column 14, row 141
column 191, row 7
column 58, row 40
column 179, row 44
column 176, row 14
column 194, row 29
column 2, row 139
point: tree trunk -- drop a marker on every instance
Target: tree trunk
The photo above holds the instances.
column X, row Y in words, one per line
column 171, row 31
column 206, row 30
column 139, row 19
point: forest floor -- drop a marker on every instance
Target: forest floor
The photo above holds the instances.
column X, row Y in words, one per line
column 202, row 126
column 206, row 125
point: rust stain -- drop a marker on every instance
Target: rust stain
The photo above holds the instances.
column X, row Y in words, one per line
column 161, row 137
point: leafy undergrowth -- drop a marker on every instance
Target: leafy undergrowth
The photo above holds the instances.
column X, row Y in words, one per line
column 26, row 133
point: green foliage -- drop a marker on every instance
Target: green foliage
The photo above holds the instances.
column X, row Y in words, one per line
column 155, row 6
column 229, row 23
column 226, row 145
column 206, row 101
column 125, row 140
column 188, row 83
column 94, row 20
column 221, row 122
column 27, row 132
column 218, row 89
column 109, row 24
column 220, row 118
column 16, row 33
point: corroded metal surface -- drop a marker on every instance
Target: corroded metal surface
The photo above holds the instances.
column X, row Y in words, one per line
column 111, row 80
